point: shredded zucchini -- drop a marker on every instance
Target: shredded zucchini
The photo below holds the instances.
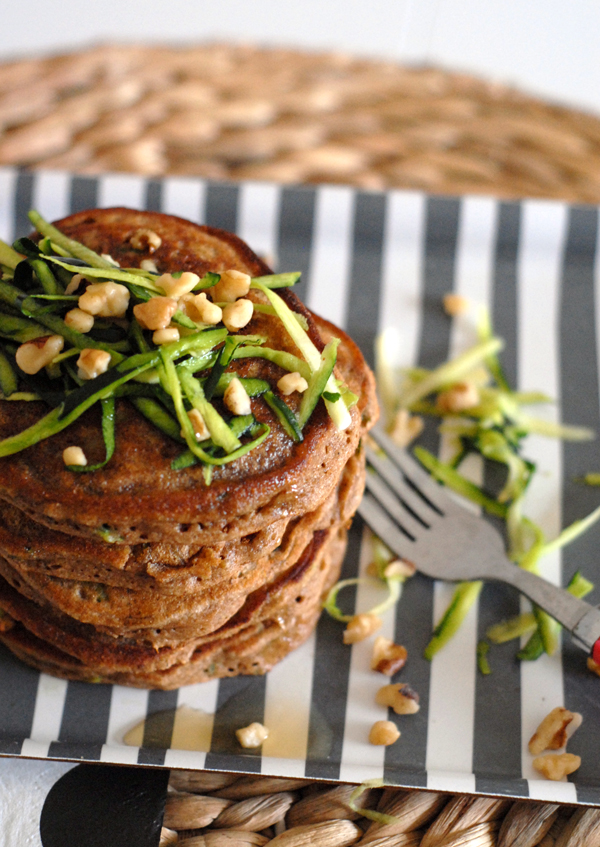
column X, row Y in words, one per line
column 163, row 382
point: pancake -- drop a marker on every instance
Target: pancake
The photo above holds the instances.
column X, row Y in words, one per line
column 272, row 622
column 147, row 613
column 138, row 496
column 144, row 575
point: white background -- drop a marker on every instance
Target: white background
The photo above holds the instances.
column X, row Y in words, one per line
column 547, row 47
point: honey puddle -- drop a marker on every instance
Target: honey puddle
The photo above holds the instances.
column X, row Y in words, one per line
column 191, row 729
column 184, row 729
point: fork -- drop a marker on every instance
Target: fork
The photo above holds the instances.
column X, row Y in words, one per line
column 420, row 522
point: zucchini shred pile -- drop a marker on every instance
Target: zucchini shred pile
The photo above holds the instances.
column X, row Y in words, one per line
column 164, row 381
column 492, row 425
column 479, row 414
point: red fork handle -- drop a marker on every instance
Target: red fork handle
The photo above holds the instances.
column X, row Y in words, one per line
column 596, row 652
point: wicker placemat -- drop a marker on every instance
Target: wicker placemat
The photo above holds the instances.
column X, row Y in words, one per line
column 240, row 112
column 221, row 810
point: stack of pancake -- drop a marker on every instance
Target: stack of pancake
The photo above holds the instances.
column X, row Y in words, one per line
column 142, row 575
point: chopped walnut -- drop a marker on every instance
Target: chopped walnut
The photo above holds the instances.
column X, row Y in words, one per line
column 384, row 733
column 155, row 313
column 74, row 456
column 105, row 299
column 252, row 735
column 399, row 697
column 201, row 431
column 455, row 304
column 557, row 765
column 233, row 284
column 292, row 382
column 236, row 398
column 406, row 428
column 458, row 398
column 360, row 627
column 178, row 286
column 399, row 567
column 552, row 733
column 79, row 320
column 145, row 239
column 34, row 355
column 91, row 363
column 237, row 315
column 388, row 657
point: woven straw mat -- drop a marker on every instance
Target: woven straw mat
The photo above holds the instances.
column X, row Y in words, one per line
column 240, row 112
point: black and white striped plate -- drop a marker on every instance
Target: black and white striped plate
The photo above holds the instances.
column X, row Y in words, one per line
column 374, row 261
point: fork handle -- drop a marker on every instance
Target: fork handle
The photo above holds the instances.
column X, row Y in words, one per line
column 579, row 617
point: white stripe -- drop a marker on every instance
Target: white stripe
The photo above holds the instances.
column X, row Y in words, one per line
column 121, row 190
column 51, row 194
column 400, row 313
column 185, row 198
column 361, row 710
column 538, row 268
column 127, row 710
column 454, row 668
column 258, row 218
column 49, row 705
column 8, row 185
column 287, row 712
column 193, row 726
column 331, row 252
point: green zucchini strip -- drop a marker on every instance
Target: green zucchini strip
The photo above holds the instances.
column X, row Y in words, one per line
column 108, row 434
column 465, row 594
column 77, row 403
column 77, row 250
column 284, row 414
column 338, row 411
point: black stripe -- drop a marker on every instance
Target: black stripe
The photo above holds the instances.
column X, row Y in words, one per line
column 240, row 702
column 580, row 404
column 222, row 206
column 330, row 677
column 497, row 730
column 508, row 787
column 18, row 691
column 504, row 304
column 84, row 722
column 23, row 203
column 365, row 278
column 296, row 222
column 158, row 727
column 154, row 195
column 414, row 613
column 84, row 193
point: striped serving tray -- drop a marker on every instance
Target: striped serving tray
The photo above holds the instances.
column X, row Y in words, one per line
column 371, row 261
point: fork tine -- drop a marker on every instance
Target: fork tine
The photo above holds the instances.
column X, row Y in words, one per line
column 384, row 527
column 409, row 521
column 417, row 477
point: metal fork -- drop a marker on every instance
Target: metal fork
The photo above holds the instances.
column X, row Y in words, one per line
column 421, row 523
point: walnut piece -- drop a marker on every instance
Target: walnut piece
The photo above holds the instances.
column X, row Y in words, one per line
column 552, row 734
column 400, row 697
column 384, row 733
column 557, row 765
column 360, row 627
column 387, row 657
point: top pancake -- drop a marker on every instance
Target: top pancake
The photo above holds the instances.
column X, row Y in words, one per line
column 138, row 497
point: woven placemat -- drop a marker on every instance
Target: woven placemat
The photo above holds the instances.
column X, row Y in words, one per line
column 221, row 810
column 241, row 112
